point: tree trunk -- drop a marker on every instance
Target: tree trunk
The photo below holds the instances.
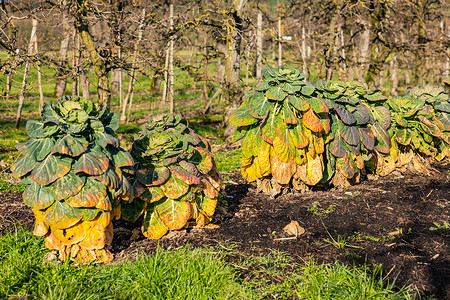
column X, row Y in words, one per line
column 75, row 67
column 363, row 62
column 304, row 54
column 171, row 77
column 280, row 54
column 394, row 74
column 25, row 73
column 98, row 62
column 62, row 70
column 38, row 67
column 205, row 68
column 232, row 62
column 129, row 95
column 259, row 48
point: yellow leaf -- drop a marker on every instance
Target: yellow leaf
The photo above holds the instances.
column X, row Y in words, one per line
column 314, row 169
column 95, row 239
column 319, row 145
column 264, row 159
column 249, row 172
column 282, row 172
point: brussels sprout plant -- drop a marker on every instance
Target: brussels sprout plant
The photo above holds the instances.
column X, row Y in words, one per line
column 73, row 167
column 177, row 179
column 420, row 129
column 297, row 134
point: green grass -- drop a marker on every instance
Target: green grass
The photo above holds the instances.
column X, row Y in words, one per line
column 228, row 161
column 185, row 273
column 276, row 275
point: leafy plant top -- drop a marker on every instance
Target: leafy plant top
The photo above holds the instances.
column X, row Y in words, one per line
column 73, row 168
column 420, row 126
column 297, row 133
column 177, row 179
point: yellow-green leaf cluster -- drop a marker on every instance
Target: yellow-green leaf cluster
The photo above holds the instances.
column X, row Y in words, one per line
column 296, row 133
column 177, row 183
column 73, row 168
column 420, row 129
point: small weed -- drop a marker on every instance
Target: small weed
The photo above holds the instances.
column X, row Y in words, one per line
column 438, row 226
column 340, row 242
column 316, row 210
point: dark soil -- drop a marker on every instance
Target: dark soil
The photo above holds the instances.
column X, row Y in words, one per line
column 397, row 221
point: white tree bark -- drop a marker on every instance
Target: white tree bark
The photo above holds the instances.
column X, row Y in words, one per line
column 259, row 47
column 129, row 95
column 26, row 72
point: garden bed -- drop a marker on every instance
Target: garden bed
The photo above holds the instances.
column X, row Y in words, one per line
column 401, row 221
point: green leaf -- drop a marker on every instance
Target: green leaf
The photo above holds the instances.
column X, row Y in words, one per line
column 382, row 115
column 298, row 102
column 77, row 116
column 345, row 115
column 289, row 88
column 35, row 129
column 62, row 216
column 263, row 86
column 445, row 120
column 189, row 167
column 349, row 133
column 69, row 145
column 403, row 136
column 174, row 188
column 38, row 149
column 173, row 214
column 111, row 178
column 276, row 93
column 111, row 123
column 132, row 211
column 103, row 139
column 308, row 89
column 48, row 113
column 205, row 160
column 95, row 124
column 23, row 166
column 51, row 127
column 185, row 176
column 152, row 194
column 367, row 137
column 361, row 114
column 153, row 227
column 239, row 133
column 284, row 145
column 337, row 146
column 92, row 163
column 299, row 138
column 37, row 196
column 122, row 158
column 90, row 195
column 50, row 169
column 288, row 115
column 442, row 106
column 67, row 186
column 377, row 96
column 153, row 176
column 318, row 105
column 269, row 127
column 259, row 105
column 382, row 142
column 242, row 117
